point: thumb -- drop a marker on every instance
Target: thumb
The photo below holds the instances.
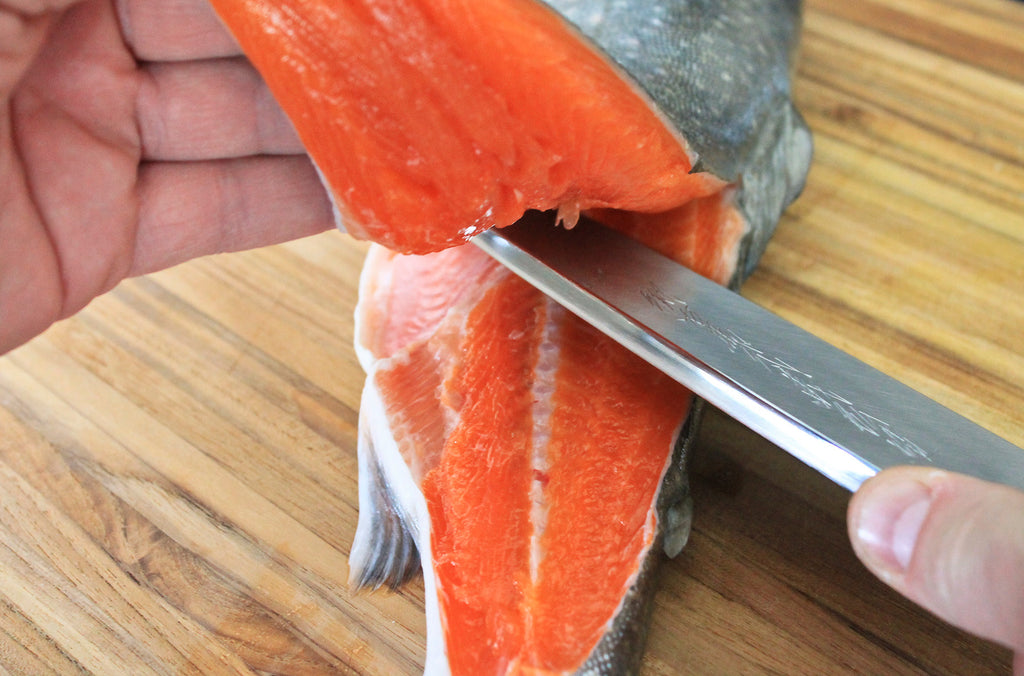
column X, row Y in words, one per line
column 951, row 543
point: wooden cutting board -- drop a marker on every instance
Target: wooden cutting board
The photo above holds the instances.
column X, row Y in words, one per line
column 177, row 463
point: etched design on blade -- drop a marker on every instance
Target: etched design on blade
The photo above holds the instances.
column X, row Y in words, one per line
column 804, row 382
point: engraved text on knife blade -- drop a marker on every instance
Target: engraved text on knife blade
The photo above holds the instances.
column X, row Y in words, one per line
column 802, row 381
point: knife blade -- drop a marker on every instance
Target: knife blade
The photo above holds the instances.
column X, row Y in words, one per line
column 832, row 411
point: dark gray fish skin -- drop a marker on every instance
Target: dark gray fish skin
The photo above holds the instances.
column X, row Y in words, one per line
column 719, row 72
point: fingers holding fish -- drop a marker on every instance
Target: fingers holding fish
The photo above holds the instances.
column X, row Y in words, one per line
column 171, row 30
column 96, row 92
column 210, row 109
column 174, row 30
column 232, row 205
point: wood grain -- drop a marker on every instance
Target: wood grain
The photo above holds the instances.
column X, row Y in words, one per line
column 178, row 461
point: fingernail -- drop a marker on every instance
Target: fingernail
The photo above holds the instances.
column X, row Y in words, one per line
column 888, row 521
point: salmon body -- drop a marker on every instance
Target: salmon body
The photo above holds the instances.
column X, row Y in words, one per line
column 521, row 453
column 532, row 468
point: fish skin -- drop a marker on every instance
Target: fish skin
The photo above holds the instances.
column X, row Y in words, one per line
column 719, row 71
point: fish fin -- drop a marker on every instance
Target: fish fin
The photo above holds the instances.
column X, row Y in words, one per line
column 675, row 504
column 384, row 550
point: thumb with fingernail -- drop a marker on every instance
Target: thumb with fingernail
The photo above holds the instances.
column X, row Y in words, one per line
column 951, row 543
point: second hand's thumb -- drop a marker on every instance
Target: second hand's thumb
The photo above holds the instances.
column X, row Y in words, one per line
column 953, row 544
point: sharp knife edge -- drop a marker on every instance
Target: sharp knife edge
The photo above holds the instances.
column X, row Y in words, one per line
column 833, row 412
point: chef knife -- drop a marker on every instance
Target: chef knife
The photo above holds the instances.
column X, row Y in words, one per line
column 830, row 410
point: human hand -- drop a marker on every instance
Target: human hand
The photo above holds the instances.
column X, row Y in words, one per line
column 133, row 136
column 951, row 543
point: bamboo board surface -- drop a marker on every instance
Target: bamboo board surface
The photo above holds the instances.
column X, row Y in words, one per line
column 177, row 463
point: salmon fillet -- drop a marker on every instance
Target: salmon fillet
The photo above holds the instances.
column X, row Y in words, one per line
column 533, row 446
column 532, row 468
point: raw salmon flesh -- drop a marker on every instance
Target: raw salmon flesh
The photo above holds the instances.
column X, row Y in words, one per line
column 532, row 468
